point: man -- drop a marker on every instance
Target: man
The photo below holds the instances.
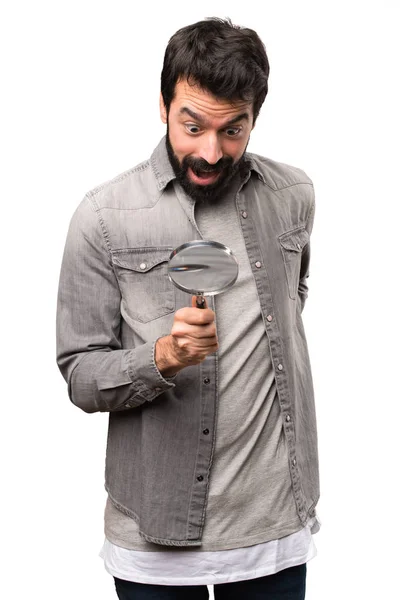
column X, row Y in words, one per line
column 211, row 468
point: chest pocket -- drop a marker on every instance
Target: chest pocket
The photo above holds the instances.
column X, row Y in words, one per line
column 147, row 292
column 292, row 244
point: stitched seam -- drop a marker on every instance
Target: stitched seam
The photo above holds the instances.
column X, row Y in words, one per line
column 300, row 227
column 312, row 207
column 119, row 178
column 133, row 209
column 101, row 223
column 286, row 187
column 141, row 249
column 104, row 231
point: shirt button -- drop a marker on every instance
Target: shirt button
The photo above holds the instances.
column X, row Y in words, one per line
column 269, row 318
column 127, row 405
column 206, row 431
column 200, row 478
column 206, row 380
column 288, row 418
column 280, row 367
column 244, row 214
column 258, row 264
column 143, row 266
column 299, row 247
column 294, row 462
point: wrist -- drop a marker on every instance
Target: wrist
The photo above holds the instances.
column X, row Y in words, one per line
column 164, row 357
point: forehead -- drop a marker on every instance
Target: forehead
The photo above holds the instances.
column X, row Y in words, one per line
column 204, row 103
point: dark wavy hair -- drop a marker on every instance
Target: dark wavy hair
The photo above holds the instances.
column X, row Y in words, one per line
column 227, row 60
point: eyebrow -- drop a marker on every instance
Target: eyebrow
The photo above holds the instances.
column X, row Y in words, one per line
column 185, row 110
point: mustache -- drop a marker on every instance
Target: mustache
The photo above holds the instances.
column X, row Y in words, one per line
column 200, row 165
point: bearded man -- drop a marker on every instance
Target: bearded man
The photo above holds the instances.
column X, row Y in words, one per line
column 211, row 468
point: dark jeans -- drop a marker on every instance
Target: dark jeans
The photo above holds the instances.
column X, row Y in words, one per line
column 289, row 584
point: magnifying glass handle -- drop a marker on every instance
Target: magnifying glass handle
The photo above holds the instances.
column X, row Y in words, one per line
column 201, row 302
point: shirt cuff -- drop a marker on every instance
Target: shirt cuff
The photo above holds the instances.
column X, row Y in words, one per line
column 147, row 381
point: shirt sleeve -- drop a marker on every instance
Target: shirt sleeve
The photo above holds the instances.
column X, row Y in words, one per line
column 101, row 375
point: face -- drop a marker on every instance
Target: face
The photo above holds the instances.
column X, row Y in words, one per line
column 206, row 139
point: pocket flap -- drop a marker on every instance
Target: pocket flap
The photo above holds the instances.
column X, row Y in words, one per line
column 294, row 240
column 140, row 260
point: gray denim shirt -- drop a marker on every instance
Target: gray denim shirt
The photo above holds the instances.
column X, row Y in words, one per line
column 115, row 300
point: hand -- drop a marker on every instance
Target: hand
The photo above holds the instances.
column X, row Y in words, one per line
column 193, row 336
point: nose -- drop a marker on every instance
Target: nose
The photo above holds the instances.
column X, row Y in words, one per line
column 211, row 150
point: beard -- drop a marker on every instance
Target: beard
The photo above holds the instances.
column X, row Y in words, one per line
column 226, row 168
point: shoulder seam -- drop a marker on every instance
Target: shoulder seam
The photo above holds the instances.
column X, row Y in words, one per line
column 96, row 209
column 141, row 167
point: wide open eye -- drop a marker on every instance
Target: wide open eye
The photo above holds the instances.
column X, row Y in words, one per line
column 192, row 128
column 233, row 131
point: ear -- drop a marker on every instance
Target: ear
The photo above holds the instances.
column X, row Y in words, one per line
column 163, row 110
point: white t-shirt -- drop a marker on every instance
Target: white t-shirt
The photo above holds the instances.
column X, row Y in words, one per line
column 182, row 567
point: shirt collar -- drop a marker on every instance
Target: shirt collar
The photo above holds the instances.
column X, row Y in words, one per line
column 161, row 165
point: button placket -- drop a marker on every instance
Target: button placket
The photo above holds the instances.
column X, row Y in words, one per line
column 277, row 356
column 208, row 374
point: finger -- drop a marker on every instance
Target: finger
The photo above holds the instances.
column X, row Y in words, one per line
column 196, row 349
column 194, row 316
column 193, row 331
column 195, row 341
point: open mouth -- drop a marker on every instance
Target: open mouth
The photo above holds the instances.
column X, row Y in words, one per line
column 203, row 177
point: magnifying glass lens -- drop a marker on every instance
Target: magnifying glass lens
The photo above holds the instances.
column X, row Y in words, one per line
column 203, row 268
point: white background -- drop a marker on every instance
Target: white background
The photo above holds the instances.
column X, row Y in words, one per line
column 80, row 85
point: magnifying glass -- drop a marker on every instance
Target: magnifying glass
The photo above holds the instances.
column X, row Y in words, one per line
column 203, row 268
